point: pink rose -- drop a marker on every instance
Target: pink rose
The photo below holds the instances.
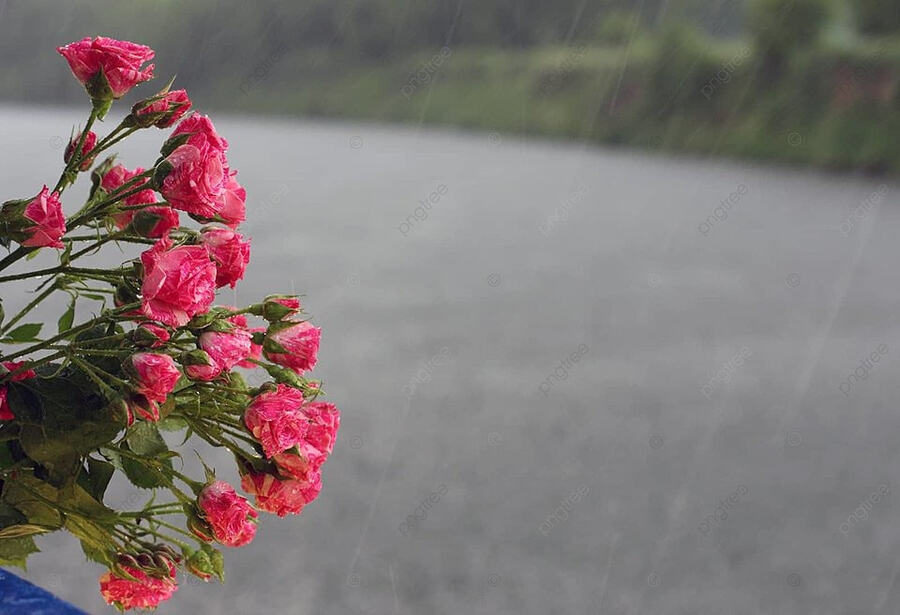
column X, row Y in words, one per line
column 6, row 413
column 231, row 206
column 89, row 142
column 155, row 375
column 178, row 284
column 156, row 335
column 162, row 110
column 255, row 349
column 281, row 497
column 143, row 592
column 275, row 419
column 35, row 223
column 145, row 408
column 203, row 135
column 117, row 63
column 203, row 371
column 229, row 251
column 292, row 344
column 310, row 453
column 225, row 349
column 232, row 519
column 193, row 181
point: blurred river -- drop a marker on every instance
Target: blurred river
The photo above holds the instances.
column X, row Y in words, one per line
column 573, row 380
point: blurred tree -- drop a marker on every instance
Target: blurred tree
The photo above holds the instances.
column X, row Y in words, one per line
column 780, row 27
column 877, row 16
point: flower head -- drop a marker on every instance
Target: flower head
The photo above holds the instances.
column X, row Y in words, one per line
column 275, row 418
column 179, row 282
column 141, row 592
column 35, row 223
column 155, row 375
column 162, row 110
column 90, row 140
column 281, row 497
column 232, row 519
column 229, row 251
column 292, row 344
column 106, row 67
column 231, row 206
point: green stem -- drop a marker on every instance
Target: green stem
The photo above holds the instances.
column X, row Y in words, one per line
column 75, row 160
column 27, row 309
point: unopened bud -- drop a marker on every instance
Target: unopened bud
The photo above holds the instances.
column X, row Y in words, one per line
column 90, row 140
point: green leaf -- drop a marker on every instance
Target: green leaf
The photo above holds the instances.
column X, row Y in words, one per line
column 68, row 317
column 29, row 496
column 24, row 333
column 172, row 423
column 143, row 474
column 15, row 551
column 144, row 439
column 97, row 477
column 32, row 254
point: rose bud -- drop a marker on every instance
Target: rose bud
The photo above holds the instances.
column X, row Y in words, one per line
column 143, row 407
column 150, row 335
column 35, row 223
column 121, row 412
column 154, row 375
column 153, row 222
column 178, row 282
column 229, row 251
column 107, row 68
column 292, row 344
column 232, row 519
column 231, row 206
column 142, row 591
column 275, row 418
column 279, row 307
column 89, row 142
column 199, row 565
column 199, row 528
column 161, row 110
column 281, row 497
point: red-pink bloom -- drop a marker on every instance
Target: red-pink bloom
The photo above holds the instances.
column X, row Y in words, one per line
column 145, row 408
column 162, row 110
column 311, row 452
column 280, row 307
column 240, row 320
column 178, row 284
column 43, row 221
column 120, row 62
column 229, row 251
column 194, row 181
column 203, row 371
column 6, row 413
column 275, row 419
column 232, row 519
column 231, row 206
column 144, row 592
column 89, row 142
column 197, row 170
column 158, row 335
column 155, row 375
column 293, row 344
column 227, row 348
column 281, row 497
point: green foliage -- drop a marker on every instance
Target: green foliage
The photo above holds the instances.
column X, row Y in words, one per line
column 778, row 26
column 877, row 16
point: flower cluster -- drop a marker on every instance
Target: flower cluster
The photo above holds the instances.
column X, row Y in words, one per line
column 158, row 354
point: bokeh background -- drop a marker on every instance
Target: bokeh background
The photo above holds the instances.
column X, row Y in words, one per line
column 608, row 291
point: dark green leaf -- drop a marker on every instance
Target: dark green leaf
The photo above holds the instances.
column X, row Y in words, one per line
column 144, row 439
column 97, row 478
column 24, row 333
column 68, row 317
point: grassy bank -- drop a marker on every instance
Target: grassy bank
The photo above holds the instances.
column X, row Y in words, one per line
column 833, row 106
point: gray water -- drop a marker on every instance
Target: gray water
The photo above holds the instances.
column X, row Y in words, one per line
column 708, row 452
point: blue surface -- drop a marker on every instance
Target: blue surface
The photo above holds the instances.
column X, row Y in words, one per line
column 19, row 597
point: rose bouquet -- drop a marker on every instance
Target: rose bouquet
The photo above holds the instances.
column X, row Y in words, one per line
column 79, row 405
